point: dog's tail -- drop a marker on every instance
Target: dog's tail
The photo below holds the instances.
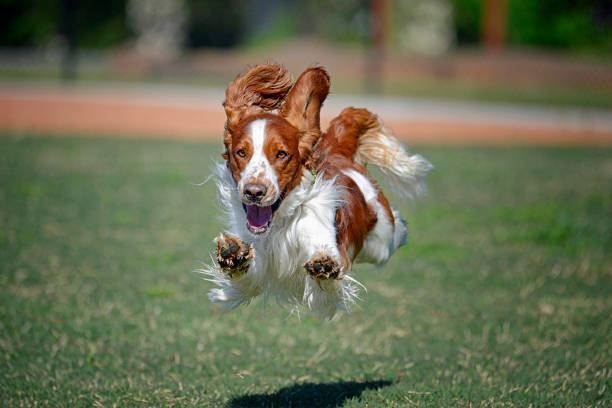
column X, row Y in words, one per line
column 367, row 140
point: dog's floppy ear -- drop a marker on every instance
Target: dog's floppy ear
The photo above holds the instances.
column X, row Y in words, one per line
column 303, row 105
column 261, row 89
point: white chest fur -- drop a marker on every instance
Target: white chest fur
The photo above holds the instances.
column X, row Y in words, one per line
column 302, row 226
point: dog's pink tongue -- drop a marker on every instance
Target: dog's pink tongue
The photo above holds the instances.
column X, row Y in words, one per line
column 258, row 216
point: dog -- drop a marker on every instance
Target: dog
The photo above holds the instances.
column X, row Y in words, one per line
column 300, row 205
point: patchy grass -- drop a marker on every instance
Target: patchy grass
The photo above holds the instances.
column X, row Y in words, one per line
column 502, row 297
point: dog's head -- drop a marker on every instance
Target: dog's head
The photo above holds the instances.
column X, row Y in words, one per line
column 271, row 128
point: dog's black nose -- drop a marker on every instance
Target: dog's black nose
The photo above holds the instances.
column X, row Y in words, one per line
column 255, row 192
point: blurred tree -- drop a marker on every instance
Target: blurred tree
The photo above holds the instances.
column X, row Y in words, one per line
column 422, row 26
column 467, row 15
column 36, row 22
column 159, row 26
column 69, row 37
column 573, row 24
column 270, row 21
column 215, row 23
column 338, row 20
column 101, row 23
column 28, row 22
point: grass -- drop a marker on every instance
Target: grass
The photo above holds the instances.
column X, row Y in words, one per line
column 502, row 298
column 439, row 88
column 546, row 94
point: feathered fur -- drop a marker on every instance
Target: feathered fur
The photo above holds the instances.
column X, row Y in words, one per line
column 301, row 202
column 366, row 139
column 277, row 267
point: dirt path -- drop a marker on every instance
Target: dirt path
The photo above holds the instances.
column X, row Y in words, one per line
column 180, row 112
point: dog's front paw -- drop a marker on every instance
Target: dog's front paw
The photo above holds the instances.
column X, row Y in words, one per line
column 323, row 267
column 233, row 255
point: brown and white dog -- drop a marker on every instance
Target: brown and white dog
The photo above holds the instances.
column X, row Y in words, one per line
column 301, row 206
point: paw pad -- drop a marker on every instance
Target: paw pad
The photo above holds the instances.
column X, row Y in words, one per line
column 233, row 255
column 322, row 267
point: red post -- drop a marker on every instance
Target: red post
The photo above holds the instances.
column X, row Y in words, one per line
column 376, row 51
column 494, row 23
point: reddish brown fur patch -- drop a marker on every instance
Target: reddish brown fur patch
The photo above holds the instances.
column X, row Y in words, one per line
column 239, row 140
column 261, row 89
column 343, row 137
column 280, row 136
column 265, row 88
column 335, row 153
column 354, row 218
column 344, row 130
column 303, row 106
column 385, row 203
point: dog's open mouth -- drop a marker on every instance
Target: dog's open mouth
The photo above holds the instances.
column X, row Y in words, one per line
column 259, row 217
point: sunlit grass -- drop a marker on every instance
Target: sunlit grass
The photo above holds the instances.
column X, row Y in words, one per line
column 501, row 298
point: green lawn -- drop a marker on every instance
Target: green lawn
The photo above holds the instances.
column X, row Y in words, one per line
column 502, row 298
column 439, row 88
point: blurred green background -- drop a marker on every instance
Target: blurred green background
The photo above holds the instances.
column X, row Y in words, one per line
column 544, row 51
column 576, row 26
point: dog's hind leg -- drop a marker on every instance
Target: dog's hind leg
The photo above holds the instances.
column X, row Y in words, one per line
column 317, row 237
column 323, row 267
column 233, row 255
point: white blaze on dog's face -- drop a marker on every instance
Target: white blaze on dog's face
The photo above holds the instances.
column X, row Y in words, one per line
column 265, row 163
column 266, row 152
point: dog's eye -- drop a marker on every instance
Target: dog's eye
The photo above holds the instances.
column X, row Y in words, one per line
column 241, row 153
column 281, row 155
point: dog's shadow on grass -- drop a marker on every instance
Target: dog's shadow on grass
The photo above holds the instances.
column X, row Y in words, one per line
column 325, row 395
